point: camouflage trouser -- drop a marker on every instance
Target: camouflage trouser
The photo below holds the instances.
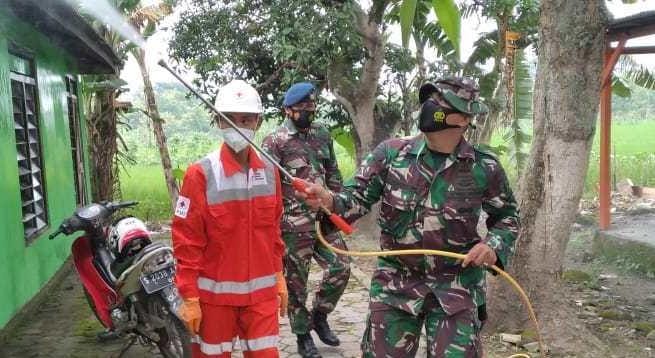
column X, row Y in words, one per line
column 394, row 333
column 300, row 248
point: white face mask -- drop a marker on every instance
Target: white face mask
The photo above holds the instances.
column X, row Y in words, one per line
column 234, row 140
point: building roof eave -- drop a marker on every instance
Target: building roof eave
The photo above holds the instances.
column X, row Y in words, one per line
column 66, row 28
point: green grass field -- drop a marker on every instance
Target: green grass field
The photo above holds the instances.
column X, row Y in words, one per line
column 146, row 185
column 633, row 157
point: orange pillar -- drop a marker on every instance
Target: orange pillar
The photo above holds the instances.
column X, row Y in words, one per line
column 605, row 140
column 611, row 57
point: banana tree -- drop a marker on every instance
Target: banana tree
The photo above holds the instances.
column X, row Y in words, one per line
column 427, row 34
column 448, row 17
column 101, row 93
column 521, row 114
column 516, row 15
column 101, row 108
column 628, row 71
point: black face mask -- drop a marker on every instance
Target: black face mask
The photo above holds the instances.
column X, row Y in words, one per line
column 432, row 117
column 304, row 120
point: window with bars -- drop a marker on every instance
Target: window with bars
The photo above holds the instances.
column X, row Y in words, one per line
column 76, row 140
column 28, row 145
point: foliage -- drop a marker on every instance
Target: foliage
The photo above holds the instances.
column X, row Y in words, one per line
column 639, row 106
column 146, row 18
column 269, row 43
column 188, row 125
column 99, row 93
column 628, row 71
column 343, row 137
column 407, row 12
column 430, row 33
column 187, row 128
column 484, row 49
column 448, row 17
column 336, row 45
column 628, row 74
column 521, row 16
column 515, row 133
column 509, row 15
column 619, row 87
column 107, row 148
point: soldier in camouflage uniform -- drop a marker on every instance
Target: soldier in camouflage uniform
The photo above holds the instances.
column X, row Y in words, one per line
column 305, row 149
column 437, row 192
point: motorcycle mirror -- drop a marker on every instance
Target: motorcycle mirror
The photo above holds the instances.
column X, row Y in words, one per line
column 54, row 234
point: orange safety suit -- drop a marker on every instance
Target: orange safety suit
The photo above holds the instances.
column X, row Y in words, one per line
column 228, row 247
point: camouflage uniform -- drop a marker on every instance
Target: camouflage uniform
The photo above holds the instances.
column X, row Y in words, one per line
column 308, row 156
column 428, row 203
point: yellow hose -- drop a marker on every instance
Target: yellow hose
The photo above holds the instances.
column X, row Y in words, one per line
column 505, row 275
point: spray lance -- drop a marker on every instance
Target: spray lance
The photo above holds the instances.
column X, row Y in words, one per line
column 342, row 225
column 297, row 183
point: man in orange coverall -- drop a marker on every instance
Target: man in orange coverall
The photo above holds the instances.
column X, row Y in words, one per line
column 226, row 239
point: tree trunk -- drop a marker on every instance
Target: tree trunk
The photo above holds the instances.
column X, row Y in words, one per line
column 406, row 121
column 101, row 120
column 358, row 97
column 566, row 100
column 160, row 136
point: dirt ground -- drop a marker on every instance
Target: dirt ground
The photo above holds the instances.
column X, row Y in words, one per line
column 608, row 298
column 614, row 303
column 64, row 326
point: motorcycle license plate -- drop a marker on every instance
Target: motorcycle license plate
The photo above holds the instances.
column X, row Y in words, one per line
column 158, row 280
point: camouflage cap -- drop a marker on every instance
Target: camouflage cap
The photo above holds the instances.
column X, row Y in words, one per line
column 462, row 93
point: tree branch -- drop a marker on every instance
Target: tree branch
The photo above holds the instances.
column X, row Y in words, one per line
column 275, row 75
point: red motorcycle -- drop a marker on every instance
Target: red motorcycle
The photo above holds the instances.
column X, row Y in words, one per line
column 127, row 278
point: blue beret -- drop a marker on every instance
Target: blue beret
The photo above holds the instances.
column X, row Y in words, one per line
column 297, row 93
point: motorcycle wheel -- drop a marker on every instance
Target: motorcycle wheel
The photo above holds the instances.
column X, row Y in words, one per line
column 174, row 338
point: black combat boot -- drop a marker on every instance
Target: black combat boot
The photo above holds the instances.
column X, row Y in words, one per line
column 306, row 346
column 323, row 329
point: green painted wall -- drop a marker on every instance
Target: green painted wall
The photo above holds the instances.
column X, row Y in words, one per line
column 24, row 269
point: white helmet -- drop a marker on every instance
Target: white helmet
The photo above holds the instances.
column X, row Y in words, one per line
column 238, row 97
column 125, row 232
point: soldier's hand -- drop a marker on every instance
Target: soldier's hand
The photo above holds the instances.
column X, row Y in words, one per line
column 480, row 255
column 315, row 195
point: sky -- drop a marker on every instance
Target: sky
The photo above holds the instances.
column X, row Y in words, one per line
column 156, row 46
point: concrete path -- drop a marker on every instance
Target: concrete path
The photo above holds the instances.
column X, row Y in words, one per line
column 637, row 228
column 348, row 321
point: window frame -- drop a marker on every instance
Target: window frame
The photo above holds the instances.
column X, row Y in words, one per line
column 30, row 80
